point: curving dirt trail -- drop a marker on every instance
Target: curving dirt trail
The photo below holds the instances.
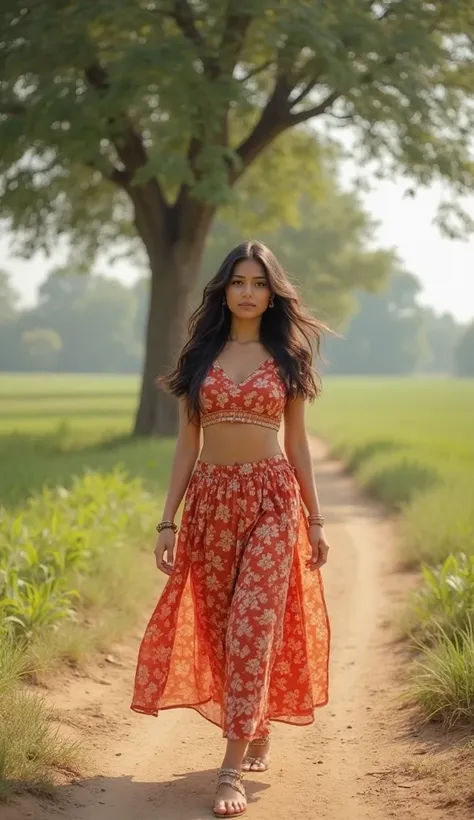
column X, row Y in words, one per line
column 353, row 762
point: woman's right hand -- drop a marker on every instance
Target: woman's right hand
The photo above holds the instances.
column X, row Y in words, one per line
column 165, row 546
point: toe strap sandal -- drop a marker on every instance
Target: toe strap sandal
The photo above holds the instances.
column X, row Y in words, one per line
column 252, row 760
column 232, row 778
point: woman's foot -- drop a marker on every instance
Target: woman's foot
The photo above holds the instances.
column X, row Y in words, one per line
column 231, row 800
column 257, row 758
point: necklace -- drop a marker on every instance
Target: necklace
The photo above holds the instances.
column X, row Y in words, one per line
column 249, row 342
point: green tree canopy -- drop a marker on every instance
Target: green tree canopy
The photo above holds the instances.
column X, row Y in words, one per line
column 133, row 118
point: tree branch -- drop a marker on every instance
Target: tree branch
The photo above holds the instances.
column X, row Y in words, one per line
column 97, row 77
column 235, row 29
column 307, row 88
column 257, row 70
column 273, row 121
column 12, row 108
column 110, row 172
column 127, row 143
column 316, row 110
column 183, row 16
column 278, row 116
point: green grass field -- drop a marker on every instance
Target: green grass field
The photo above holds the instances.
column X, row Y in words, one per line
column 431, row 419
column 52, row 427
column 95, row 404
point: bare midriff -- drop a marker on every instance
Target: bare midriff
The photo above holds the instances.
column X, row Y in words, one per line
column 238, row 443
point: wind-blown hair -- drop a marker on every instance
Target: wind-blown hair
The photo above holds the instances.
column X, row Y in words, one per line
column 288, row 331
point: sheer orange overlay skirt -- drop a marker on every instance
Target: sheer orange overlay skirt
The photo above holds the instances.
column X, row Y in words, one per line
column 241, row 631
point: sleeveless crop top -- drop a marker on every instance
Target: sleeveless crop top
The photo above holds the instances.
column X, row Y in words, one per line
column 259, row 399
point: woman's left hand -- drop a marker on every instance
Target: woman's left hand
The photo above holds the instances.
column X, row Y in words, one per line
column 319, row 547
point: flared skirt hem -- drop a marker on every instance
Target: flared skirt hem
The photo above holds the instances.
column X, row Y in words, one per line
column 311, row 718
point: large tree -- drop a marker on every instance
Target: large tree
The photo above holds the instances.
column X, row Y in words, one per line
column 137, row 117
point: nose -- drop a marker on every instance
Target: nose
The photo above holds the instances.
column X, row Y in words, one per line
column 247, row 289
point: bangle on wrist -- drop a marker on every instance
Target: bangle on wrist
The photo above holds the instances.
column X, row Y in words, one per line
column 316, row 519
column 167, row 525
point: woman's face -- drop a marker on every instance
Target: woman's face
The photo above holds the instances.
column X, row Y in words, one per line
column 248, row 292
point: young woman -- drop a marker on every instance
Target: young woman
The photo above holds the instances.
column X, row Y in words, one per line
column 241, row 631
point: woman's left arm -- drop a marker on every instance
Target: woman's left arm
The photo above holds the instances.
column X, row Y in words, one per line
column 298, row 453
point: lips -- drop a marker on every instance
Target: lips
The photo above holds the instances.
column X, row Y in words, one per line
column 246, row 304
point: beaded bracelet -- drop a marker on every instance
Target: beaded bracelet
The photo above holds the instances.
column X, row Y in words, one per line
column 167, row 525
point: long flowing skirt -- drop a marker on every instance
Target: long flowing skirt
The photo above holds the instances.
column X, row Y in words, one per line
column 241, row 631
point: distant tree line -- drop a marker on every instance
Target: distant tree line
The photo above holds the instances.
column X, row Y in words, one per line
column 93, row 323
column 391, row 333
column 81, row 323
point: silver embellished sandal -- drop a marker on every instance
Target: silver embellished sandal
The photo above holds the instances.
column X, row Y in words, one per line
column 232, row 778
column 252, row 760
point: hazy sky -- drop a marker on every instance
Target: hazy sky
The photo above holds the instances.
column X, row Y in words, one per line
column 444, row 267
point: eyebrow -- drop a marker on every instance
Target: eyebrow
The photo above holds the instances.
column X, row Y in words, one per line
column 240, row 276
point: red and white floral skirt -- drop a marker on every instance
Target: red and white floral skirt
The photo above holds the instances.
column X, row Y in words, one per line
column 241, row 631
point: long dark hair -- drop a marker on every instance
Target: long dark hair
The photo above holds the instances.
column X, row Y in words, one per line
column 288, row 331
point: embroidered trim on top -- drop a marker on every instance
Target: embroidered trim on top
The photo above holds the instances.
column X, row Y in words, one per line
column 243, row 416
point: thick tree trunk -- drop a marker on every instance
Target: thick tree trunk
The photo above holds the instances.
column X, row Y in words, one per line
column 157, row 412
column 174, row 247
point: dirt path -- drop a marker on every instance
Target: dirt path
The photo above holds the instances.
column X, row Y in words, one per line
column 352, row 763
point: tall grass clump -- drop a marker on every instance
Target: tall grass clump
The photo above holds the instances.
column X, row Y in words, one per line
column 61, row 539
column 443, row 678
column 30, row 745
column 71, row 580
column 443, row 606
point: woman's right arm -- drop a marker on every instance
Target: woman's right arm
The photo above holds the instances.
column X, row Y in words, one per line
column 187, row 449
column 186, row 452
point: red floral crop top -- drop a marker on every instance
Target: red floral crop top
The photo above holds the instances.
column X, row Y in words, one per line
column 259, row 399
